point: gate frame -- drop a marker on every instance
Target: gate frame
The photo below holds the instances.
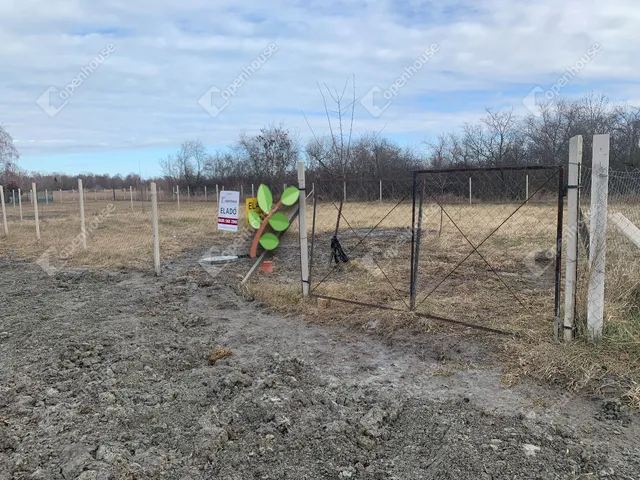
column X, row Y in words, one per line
column 562, row 190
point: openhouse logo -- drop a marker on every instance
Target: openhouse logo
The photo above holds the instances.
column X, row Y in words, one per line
column 215, row 100
column 368, row 101
column 537, row 96
column 53, row 99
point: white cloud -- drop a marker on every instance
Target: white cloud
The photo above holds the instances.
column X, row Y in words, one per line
column 169, row 53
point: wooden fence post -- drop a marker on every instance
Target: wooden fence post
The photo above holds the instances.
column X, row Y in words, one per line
column 83, row 230
column 20, row 203
column 34, row 196
column 4, row 212
column 156, row 234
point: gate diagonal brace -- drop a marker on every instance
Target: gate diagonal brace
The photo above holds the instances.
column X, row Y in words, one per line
column 360, row 240
column 475, row 248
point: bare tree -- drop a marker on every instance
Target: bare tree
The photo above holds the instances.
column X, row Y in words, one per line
column 8, row 156
column 333, row 153
column 187, row 166
column 269, row 155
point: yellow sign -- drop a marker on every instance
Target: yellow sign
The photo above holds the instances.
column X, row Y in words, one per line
column 252, row 206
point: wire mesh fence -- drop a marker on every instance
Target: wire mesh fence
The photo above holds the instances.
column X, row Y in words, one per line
column 118, row 226
column 621, row 247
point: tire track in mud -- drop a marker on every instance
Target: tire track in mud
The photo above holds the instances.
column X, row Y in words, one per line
column 106, row 375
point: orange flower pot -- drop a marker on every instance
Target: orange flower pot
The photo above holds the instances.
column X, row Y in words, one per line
column 267, row 266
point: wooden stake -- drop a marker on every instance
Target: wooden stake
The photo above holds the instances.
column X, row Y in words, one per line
column 156, row 234
column 34, row 195
column 83, row 230
column 4, row 212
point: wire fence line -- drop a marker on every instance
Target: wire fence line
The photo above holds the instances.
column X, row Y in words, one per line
column 487, row 239
column 118, row 226
column 620, row 297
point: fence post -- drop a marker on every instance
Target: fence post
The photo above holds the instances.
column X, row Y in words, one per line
column 188, row 194
column 83, row 230
column 205, row 193
column 252, row 195
column 178, row 195
column 60, row 196
column 34, row 194
column 598, row 235
column 241, row 192
column 470, row 191
column 526, row 188
column 344, row 191
column 20, row 203
column 4, row 212
column 156, row 234
column 13, row 198
column 380, row 191
column 46, row 196
column 573, row 184
column 217, row 197
column 302, row 224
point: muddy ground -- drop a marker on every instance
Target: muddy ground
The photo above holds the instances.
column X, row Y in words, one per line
column 107, row 375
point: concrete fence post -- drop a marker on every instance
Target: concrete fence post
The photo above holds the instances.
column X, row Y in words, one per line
column 573, row 207
column 302, row 224
column 598, row 235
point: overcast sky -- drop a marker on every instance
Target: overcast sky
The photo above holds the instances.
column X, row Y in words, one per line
column 143, row 68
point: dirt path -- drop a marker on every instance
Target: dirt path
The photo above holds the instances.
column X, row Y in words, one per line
column 106, row 375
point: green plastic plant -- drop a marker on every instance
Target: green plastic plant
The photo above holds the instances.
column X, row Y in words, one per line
column 277, row 220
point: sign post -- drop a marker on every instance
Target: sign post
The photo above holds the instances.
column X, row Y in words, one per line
column 228, row 209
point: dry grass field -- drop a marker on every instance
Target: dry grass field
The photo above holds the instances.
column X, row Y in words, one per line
column 122, row 237
column 507, row 284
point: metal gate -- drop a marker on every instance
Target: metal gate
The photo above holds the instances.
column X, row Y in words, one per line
column 487, row 246
column 478, row 247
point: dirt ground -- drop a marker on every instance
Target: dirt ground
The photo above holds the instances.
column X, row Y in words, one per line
column 108, row 375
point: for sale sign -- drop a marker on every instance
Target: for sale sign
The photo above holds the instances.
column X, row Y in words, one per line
column 228, row 210
column 252, row 206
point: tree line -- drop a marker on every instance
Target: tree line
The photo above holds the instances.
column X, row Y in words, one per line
column 500, row 138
